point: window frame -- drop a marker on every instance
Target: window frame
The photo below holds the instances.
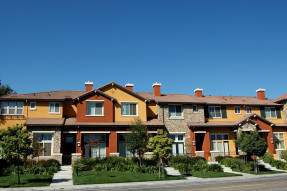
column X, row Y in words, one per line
column 177, row 142
column 195, row 110
column 43, row 142
column 54, row 107
column 95, row 102
column 218, row 140
column 211, row 117
column 35, row 106
column 278, row 140
column 271, row 113
column 176, row 116
column 15, row 108
column 129, row 103
column 237, row 107
column 247, row 110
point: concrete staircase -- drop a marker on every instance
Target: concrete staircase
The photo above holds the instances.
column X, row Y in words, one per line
column 172, row 172
column 268, row 166
column 63, row 177
column 228, row 169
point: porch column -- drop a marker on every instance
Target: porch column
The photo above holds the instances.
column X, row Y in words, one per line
column 206, row 144
column 271, row 145
column 113, row 144
column 79, row 141
column 192, row 142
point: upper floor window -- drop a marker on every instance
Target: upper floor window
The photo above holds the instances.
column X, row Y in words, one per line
column 215, row 112
column 129, row 109
column 95, row 108
column 270, row 112
column 237, row 110
column 194, row 108
column 33, row 106
column 248, row 110
column 175, row 110
column 12, row 108
column 54, row 107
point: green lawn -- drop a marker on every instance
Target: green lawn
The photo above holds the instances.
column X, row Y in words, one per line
column 6, row 181
column 261, row 172
column 213, row 174
column 95, row 177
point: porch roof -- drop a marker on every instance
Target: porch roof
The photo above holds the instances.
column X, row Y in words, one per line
column 73, row 122
column 44, row 122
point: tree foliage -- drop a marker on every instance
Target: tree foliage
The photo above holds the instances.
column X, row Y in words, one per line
column 16, row 145
column 161, row 145
column 138, row 138
column 6, row 89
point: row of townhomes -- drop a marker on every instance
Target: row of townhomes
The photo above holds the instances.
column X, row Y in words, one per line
column 96, row 122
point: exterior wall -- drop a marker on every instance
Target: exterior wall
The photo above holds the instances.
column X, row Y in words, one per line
column 122, row 96
column 69, row 109
column 180, row 124
column 285, row 112
column 231, row 116
column 108, row 110
column 42, row 111
column 151, row 109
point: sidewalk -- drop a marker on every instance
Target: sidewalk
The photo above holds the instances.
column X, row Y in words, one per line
column 115, row 186
column 63, row 177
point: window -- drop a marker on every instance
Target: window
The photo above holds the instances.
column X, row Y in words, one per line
column 175, row 110
column 95, row 146
column 270, row 112
column 33, row 106
column 237, row 110
column 12, row 108
column 95, row 108
column 129, row 109
column 54, row 108
column 214, row 112
column 194, row 108
column 178, row 144
column 248, row 110
column 219, row 142
column 45, row 142
column 279, row 140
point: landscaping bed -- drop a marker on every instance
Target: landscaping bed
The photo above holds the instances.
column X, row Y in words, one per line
column 213, row 174
column 6, row 181
column 94, row 177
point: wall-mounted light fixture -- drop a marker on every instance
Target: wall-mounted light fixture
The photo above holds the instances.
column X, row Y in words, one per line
column 79, row 144
column 271, row 139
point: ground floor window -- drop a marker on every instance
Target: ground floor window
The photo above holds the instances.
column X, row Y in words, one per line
column 45, row 142
column 178, row 144
column 279, row 140
column 123, row 146
column 220, row 142
column 95, row 146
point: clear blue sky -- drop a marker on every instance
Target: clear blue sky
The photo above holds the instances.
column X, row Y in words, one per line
column 225, row 47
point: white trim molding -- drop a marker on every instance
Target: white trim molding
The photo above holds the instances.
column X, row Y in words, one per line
column 96, row 132
column 70, row 132
column 199, row 131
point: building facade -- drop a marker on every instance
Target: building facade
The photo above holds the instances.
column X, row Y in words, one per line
column 95, row 123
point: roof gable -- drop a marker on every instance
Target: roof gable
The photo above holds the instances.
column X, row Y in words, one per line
column 93, row 92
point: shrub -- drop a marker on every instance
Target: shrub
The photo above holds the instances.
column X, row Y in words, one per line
column 284, row 155
column 215, row 168
column 267, row 157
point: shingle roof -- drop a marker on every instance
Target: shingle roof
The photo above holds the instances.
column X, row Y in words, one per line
column 95, row 91
column 281, row 98
column 44, row 122
column 237, row 100
column 73, row 122
column 171, row 98
column 51, row 95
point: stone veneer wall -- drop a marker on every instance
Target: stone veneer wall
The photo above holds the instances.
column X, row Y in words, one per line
column 56, row 145
column 285, row 112
column 180, row 124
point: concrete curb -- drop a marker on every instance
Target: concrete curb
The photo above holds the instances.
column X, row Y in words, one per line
column 146, row 184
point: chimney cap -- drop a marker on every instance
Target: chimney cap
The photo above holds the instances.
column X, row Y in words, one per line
column 129, row 84
column 89, row 83
column 156, row 84
column 198, row 89
column 260, row 90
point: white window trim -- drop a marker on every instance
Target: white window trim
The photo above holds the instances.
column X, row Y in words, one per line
column 52, row 141
column 235, row 110
column 270, row 113
column 33, row 109
column 176, row 138
column 222, row 140
column 96, row 101
column 176, row 117
column 15, row 114
column 130, row 102
column 279, row 140
column 55, row 107
column 214, row 111
column 250, row 109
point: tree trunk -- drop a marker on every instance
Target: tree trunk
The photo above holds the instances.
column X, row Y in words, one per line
column 18, row 174
column 158, row 170
column 255, row 166
column 14, row 175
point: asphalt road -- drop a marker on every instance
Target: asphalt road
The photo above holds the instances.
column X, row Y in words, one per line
column 258, row 184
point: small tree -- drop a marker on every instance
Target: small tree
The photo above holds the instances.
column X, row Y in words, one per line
column 161, row 145
column 138, row 139
column 6, row 89
column 252, row 144
column 37, row 149
column 16, row 146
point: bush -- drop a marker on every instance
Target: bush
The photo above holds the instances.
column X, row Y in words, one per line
column 219, row 158
column 184, row 159
column 284, row 155
column 215, row 168
column 267, row 157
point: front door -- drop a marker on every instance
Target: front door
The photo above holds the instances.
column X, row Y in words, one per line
column 199, row 137
column 69, row 148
